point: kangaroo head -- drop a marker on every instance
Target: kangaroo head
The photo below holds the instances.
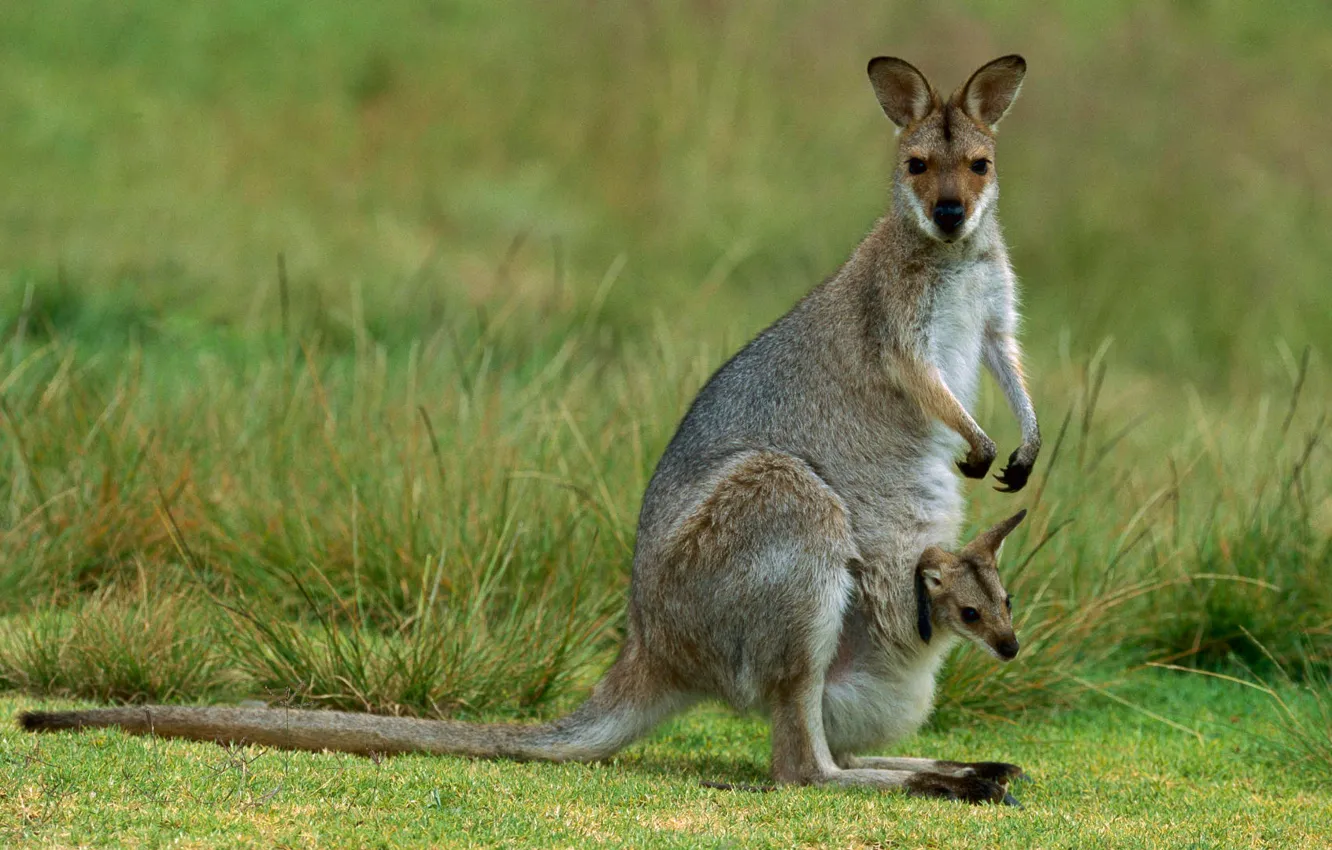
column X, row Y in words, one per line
column 945, row 172
column 962, row 592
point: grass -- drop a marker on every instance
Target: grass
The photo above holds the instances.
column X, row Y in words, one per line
column 1301, row 736
column 1304, row 733
column 449, row 528
column 333, row 366
column 1104, row 776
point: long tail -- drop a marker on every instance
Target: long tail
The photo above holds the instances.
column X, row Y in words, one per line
column 623, row 707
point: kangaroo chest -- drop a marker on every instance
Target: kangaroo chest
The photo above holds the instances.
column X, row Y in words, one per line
column 954, row 312
column 909, row 496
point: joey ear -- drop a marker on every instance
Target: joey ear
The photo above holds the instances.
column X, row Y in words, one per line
column 903, row 92
column 924, row 625
column 989, row 93
column 929, row 578
column 930, row 567
column 993, row 539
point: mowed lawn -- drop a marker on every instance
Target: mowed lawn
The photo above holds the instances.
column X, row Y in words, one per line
column 1104, row 775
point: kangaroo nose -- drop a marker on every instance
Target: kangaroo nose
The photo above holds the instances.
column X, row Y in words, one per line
column 1007, row 649
column 948, row 215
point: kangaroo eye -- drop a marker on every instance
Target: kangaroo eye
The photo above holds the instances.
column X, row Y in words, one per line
column 980, row 166
column 916, row 166
column 1008, row 602
column 970, row 615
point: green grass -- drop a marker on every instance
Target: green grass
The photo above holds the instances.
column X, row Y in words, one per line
column 449, row 528
column 1103, row 776
column 398, row 470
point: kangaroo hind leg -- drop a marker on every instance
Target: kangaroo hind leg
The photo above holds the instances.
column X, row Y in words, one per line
column 768, row 551
column 801, row 755
column 750, row 594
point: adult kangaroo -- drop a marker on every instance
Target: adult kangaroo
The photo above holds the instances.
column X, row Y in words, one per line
column 796, row 550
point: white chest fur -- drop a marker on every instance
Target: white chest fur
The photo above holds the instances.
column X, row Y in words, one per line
column 956, row 327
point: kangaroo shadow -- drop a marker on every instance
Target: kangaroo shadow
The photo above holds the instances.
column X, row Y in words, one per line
column 711, row 769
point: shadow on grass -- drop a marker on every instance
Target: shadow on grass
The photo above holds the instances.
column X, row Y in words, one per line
column 696, row 768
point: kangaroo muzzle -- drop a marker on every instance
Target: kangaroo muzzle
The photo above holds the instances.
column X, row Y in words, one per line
column 948, row 216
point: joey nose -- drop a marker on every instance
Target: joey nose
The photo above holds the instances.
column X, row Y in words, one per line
column 948, row 215
column 1007, row 649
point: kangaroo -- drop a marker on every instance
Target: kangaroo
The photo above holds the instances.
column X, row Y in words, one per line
column 796, row 544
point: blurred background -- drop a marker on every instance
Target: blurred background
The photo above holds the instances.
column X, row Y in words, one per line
column 516, row 237
column 1166, row 174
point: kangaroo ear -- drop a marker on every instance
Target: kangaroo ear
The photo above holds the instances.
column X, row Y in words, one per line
column 989, row 93
column 923, row 623
column 993, row 539
column 903, row 92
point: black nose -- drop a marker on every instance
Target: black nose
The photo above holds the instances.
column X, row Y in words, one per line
column 948, row 215
column 1008, row 649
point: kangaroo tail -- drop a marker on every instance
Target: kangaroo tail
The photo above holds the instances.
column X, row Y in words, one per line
column 622, row 707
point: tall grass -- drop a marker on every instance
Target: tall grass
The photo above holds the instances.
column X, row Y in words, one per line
column 155, row 641
column 441, row 513
column 448, row 527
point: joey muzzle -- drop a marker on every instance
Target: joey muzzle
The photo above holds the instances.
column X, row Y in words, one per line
column 1007, row 648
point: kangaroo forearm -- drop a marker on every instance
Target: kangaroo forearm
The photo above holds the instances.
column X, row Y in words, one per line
column 925, row 384
column 1005, row 362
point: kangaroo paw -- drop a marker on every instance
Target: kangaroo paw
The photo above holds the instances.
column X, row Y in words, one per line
column 968, row 789
column 976, row 469
column 998, row 771
column 1015, row 475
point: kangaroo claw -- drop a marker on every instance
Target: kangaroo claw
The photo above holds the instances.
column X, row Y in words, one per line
column 1014, row 476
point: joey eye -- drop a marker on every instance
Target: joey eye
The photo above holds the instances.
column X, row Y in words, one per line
column 916, row 165
column 970, row 615
column 980, row 166
column 1008, row 602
